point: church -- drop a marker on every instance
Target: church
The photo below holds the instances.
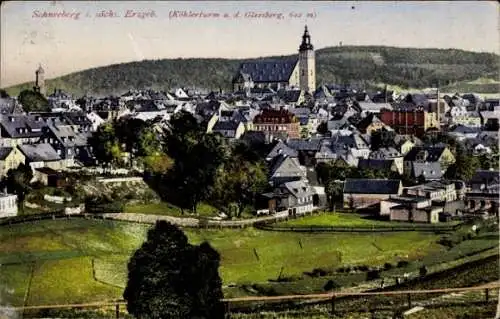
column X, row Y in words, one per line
column 289, row 73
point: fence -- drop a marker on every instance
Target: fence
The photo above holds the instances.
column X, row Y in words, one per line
column 231, row 304
column 262, row 223
column 356, row 229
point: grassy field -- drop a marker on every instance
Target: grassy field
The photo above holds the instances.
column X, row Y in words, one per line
column 82, row 260
column 163, row 208
column 348, row 220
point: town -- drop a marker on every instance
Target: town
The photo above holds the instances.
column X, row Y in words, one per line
column 276, row 153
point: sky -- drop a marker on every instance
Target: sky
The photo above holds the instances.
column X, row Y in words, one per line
column 82, row 39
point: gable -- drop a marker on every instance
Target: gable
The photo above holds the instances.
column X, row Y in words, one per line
column 288, row 166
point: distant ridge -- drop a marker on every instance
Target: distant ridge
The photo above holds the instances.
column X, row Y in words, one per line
column 356, row 65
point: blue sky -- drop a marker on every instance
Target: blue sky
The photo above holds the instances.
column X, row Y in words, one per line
column 65, row 45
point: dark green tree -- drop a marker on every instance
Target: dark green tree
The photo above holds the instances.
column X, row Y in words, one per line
column 197, row 157
column 333, row 191
column 33, row 101
column 17, row 182
column 465, row 165
column 238, row 182
column 322, row 128
column 105, row 144
column 170, row 278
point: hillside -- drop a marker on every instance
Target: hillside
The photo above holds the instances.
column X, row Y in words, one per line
column 358, row 65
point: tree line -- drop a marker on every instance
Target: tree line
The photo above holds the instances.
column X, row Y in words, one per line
column 183, row 163
column 406, row 67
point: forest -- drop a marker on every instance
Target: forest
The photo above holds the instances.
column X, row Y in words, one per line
column 362, row 66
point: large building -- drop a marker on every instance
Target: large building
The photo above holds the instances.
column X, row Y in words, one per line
column 410, row 122
column 299, row 72
column 277, row 124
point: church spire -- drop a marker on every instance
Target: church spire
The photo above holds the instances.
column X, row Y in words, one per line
column 306, row 41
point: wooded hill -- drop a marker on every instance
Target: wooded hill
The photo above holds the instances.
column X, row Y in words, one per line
column 355, row 65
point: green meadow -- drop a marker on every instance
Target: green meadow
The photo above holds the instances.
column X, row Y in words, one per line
column 78, row 260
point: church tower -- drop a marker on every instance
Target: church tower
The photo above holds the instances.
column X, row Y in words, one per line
column 40, row 80
column 307, row 64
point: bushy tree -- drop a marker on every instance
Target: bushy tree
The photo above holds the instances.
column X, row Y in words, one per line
column 105, row 144
column 33, row 101
column 465, row 165
column 18, row 181
column 238, row 182
column 170, row 278
column 197, row 157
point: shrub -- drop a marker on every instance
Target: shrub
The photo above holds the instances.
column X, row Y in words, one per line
column 363, row 268
column 402, row 263
column 372, row 275
column 423, row 271
column 331, row 285
column 447, row 242
column 387, row 266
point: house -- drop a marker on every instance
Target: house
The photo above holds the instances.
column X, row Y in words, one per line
column 492, row 104
column 389, row 153
column 8, row 205
column 79, row 121
column 379, row 164
column 296, row 196
column 411, row 201
column 277, row 123
column 281, row 149
column 306, row 149
column 69, row 143
column 360, row 193
column 431, row 171
column 41, row 155
column 427, row 155
column 95, row 119
column 371, row 123
column 229, row 129
column 284, row 169
column 10, row 158
column 254, row 138
column 473, row 99
column 484, row 180
column 61, row 100
column 20, row 129
column 490, row 120
column 303, row 114
column 49, row 177
column 404, row 143
column 461, row 132
column 435, row 191
column 291, row 97
column 460, row 116
column 407, row 213
column 355, row 143
column 373, row 108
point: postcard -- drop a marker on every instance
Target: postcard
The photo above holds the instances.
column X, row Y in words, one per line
column 249, row 159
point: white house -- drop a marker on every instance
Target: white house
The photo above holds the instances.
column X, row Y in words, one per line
column 95, row 119
column 8, row 205
column 181, row 94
